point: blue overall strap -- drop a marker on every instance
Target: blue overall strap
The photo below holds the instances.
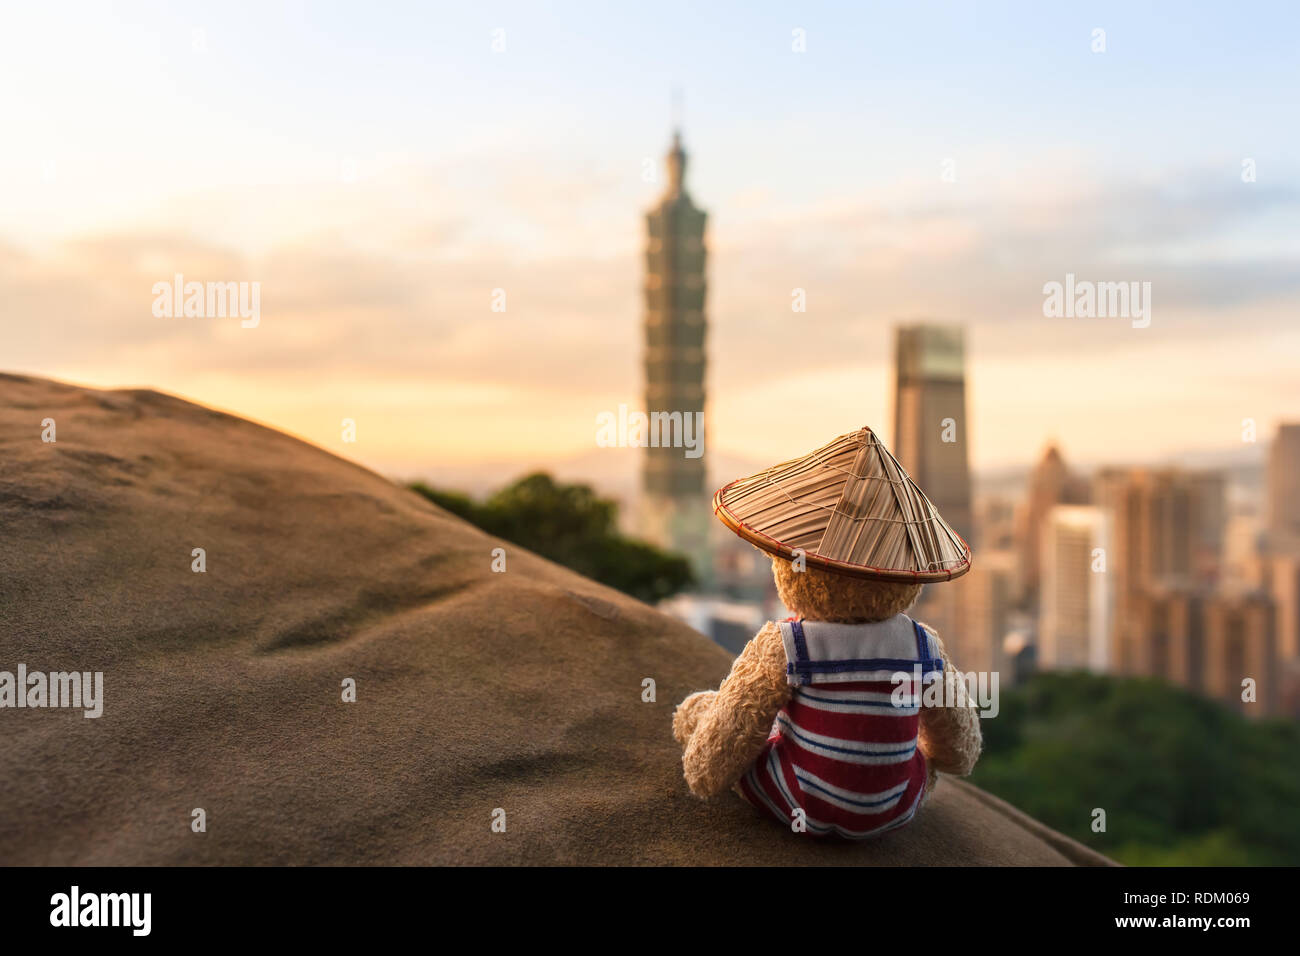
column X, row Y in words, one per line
column 804, row 670
column 800, row 653
column 928, row 663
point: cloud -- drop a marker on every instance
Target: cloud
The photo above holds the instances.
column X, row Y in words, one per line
column 384, row 287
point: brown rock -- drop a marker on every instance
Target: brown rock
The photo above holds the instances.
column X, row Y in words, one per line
column 475, row 690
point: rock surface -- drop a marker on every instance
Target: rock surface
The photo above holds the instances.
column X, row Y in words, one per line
column 222, row 690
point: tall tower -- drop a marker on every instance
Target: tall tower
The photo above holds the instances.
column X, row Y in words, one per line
column 930, row 435
column 931, row 442
column 675, row 505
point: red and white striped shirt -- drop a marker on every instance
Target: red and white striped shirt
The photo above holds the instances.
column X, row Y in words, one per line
column 844, row 749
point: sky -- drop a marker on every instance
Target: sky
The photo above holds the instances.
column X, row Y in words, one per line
column 381, row 169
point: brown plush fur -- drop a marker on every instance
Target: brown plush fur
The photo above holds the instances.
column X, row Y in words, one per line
column 950, row 737
column 723, row 731
column 822, row 596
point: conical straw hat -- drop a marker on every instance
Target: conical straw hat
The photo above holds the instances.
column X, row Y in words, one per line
column 851, row 508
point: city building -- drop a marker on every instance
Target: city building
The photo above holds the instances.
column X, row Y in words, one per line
column 1167, row 528
column 1284, row 589
column 730, row 624
column 1281, row 560
column 930, row 435
column 1284, row 488
column 995, row 519
column 983, row 602
column 1244, row 560
column 1172, row 622
column 1051, row 483
column 931, row 440
column 675, row 510
column 1077, row 600
column 1240, row 646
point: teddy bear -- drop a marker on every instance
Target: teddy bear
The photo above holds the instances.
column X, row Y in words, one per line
column 822, row 722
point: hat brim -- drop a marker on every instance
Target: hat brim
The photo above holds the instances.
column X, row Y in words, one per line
column 769, row 544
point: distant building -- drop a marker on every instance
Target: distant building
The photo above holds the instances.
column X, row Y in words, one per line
column 932, row 443
column 730, row 624
column 740, row 571
column 930, row 436
column 1020, row 646
column 1172, row 621
column 1239, row 645
column 1169, row 522
column 1284, row 589
column 1209, row 501
column 1076, row 593
column 1244, row 559
column 983, row 603
column 1167, row 530
column 1284, row 488
column 1051, row 483
column 995, row 519
column 675, row 507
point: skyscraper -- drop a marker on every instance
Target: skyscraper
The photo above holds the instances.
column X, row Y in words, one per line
column 1167, row 532
column 1240, row 644
column 1077, row 596
column 1283, row 559
column 1284, row 489
column 1171, row 620
column 675, row 505
column 1051, row 483
column 931, row 442
column 1284, row 588
column 930, row 436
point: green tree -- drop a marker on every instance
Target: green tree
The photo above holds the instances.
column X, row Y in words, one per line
column 1183, row 780
column 573, row 526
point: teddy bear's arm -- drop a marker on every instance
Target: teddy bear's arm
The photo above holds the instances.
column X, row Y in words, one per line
column 732, row 728
column 950, row 737
column 689, row 712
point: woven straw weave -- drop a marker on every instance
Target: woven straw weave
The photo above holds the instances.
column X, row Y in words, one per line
column 851, row 508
